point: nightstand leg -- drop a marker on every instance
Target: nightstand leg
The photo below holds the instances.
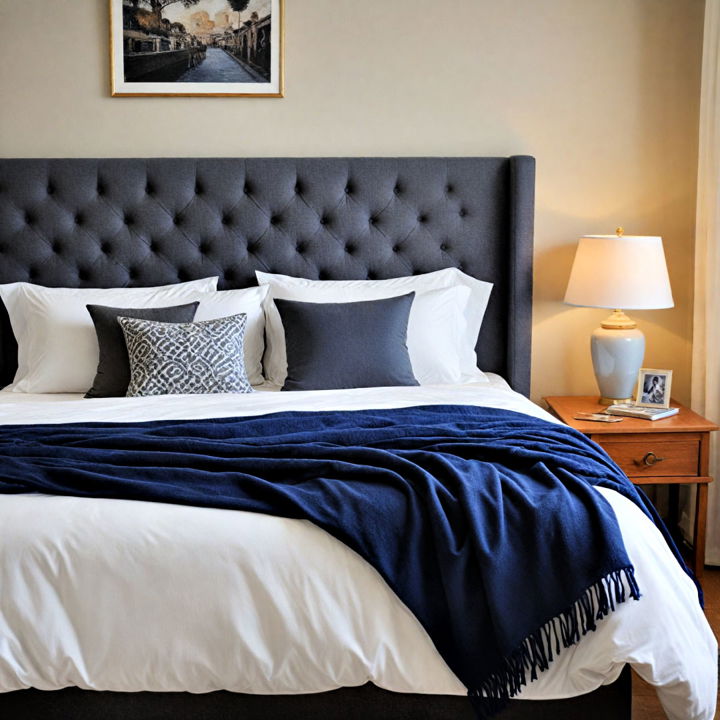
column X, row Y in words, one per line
column 699, row 534
column 673, row 506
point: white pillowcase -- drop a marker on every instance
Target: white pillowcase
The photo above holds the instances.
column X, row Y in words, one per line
column 233, row 302
column 443, row 327
column 57, row 344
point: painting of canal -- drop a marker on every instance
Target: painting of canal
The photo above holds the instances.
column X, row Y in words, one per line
column 196, row 47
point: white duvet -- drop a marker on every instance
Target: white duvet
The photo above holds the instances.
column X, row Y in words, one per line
column 125, row 595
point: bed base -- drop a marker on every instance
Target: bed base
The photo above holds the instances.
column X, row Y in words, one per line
column 361, row 703
column 141, row 222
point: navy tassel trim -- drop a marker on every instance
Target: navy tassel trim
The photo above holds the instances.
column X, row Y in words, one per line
column 538, row 650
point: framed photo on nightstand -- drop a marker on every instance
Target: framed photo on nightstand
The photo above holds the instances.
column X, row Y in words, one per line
column 653, row 388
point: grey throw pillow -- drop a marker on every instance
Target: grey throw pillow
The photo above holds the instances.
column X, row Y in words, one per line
column 347, row 345
column 186, row 358
column 113, row 371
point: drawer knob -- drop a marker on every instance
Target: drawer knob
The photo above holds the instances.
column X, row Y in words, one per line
column 651, row 459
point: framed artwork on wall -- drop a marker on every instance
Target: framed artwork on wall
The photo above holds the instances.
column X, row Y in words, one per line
column 205, row 48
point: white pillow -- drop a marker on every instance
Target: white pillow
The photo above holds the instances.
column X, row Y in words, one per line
column 442, row 330
column 57, row 344
column 233, row 302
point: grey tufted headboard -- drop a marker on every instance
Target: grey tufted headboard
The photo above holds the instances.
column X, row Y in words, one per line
column 125, row 222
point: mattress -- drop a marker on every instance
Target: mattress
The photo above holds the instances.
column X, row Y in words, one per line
column 129, row 596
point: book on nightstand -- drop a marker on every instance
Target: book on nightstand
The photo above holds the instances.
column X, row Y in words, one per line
column 646, row 413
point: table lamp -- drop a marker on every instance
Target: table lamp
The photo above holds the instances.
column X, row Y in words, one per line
column 619, row 271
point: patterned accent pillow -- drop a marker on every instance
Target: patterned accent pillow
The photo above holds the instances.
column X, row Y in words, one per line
column 186, row 358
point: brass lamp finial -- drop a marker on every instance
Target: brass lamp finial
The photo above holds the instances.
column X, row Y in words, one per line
column 619, row 231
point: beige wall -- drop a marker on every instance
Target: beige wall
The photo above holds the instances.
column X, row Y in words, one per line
column 604, row 93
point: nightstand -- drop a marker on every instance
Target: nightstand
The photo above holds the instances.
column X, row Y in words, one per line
column 672, row 452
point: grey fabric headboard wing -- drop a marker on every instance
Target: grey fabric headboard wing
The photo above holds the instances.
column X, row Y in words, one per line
column 140, row 222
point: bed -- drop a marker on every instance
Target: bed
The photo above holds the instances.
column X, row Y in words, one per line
column 117, row 223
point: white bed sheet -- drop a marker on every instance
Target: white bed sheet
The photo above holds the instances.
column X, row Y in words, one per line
column 126, row 595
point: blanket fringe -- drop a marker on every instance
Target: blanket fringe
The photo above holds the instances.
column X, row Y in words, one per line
column 538, row 650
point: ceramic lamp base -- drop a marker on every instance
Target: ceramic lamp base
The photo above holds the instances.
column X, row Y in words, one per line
column 617, row 355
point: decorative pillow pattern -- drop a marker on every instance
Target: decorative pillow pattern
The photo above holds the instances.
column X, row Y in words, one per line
column 113, row 370
column 186, row 358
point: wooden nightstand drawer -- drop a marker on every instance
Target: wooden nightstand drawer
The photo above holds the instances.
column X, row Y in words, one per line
column 682, row 441
column 655, row 456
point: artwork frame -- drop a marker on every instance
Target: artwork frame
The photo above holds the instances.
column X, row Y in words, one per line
column 150, row 53
column 653, row 388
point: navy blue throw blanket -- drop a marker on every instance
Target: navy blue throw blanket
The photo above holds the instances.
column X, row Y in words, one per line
column 484, row 522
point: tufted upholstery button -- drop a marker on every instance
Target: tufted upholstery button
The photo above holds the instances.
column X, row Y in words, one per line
column 106, row 248
column 422, row 218
column 274, row 219
column 396, row 248
column 32, row 272
column 350, row 249
column 100, row 189
column 246, row 188
column 204, row 247
column 83, row 275
column 198, row 189
column 372, row 220
column 298, row 188
column 183, row 274
column 300, row 248
column 324, row 220
column 462, row 212
column 371, row 275
column 177, row 219
column 132, row 273
column 225, row 219
column 57, row 247
column 348, row 190
column 229, row 274
column 50, row 189
column 154, row 246
column 448, row 189
column 149, row 189
column 128, row 219
column 322, row 275
column 397, row 190
column 443, row 246
column 79, row 219
column 252, row 248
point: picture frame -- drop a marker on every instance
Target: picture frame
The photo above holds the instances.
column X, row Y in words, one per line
column 197, row 48
column 653, row 388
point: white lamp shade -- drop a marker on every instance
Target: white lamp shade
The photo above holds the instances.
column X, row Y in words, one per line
column 627, row 272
